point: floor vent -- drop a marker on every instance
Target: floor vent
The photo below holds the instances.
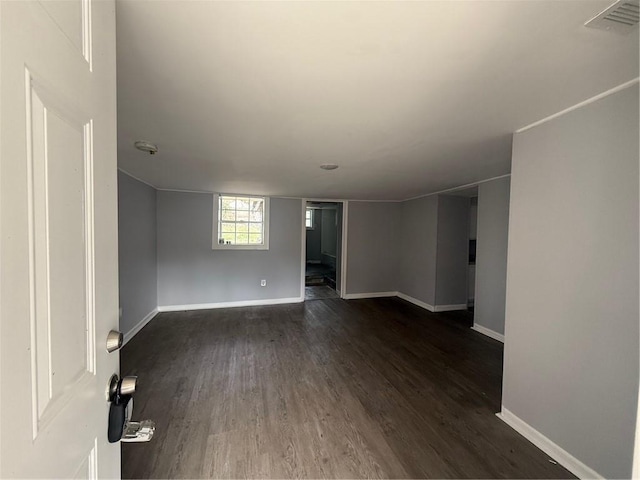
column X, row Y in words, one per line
column 621, row 17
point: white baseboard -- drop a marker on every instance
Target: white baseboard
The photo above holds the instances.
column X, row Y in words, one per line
column 556, row 452
column 488, row 332
column 450, row 308
column 139, row 326
column 242, row 303
column 417, row 302
column 432, row 308
column 355, row 296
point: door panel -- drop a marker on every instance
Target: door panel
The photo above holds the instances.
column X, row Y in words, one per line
column 69, row 17
column 58, row 238
column 62, row 340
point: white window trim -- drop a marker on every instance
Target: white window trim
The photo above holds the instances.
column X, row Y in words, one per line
column 313, row 219
column 265, row 219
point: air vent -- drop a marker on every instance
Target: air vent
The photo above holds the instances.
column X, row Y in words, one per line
column 621, row 17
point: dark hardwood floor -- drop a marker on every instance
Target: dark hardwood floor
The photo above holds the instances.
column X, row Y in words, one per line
column 319, row 292
column 324, row 389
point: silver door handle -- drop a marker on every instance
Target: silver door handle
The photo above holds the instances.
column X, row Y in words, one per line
column 114, row 341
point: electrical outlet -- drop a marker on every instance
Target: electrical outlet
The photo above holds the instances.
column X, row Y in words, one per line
column 263, row 283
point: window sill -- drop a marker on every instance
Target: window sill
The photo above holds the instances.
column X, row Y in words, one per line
column 217, row 246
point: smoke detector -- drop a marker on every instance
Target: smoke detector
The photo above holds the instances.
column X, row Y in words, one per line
column 621, row 17
column 328, row 166
column 145, row 146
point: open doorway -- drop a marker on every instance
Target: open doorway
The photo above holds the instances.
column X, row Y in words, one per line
column 323, row 257
column 457, row 234
column 473, row 230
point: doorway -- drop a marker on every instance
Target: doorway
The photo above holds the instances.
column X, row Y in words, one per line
column 323, row 249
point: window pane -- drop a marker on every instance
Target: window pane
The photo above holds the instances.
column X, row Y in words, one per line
column 241, row 220
column 257, row 204
column 308, row 219
column 242, row 238
column 228, row 202
column 229, row 215
column 229, row 237
column 242, row 203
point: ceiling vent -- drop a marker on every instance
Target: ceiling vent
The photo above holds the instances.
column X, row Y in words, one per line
column 621, row 17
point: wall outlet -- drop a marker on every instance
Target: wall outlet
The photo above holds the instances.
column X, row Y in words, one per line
column 263, row 283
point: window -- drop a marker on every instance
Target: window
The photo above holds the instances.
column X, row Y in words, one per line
column 241, row 222
column 308, row 218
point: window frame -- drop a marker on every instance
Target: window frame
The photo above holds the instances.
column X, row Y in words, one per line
column 313, row 214
column 216, row 220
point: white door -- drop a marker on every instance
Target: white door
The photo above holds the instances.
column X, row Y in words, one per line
column 58, row 237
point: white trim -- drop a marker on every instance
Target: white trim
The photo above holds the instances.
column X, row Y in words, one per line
column 375, row 201
column 182, row 190
column 579, row 105
column 241, row 303
column 635, row 473
column 460, row 187
column 356, row 296
column 136, row 178
column 450, row 308
column 415, row 301
column 555, row 451
column 331, row 200
column 341, row 200
column 139, row 326
column 243, row 246
column 344, row 249
column 488, row 332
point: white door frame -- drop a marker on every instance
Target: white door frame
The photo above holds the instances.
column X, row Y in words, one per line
column 343, row 260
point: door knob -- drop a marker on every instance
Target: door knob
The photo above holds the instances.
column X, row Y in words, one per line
column 120, row 427
column 114, row 341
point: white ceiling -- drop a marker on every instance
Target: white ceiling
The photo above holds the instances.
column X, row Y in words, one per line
column 409, row 98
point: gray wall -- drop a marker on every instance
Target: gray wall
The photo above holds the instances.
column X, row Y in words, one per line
column 473, row 218
column 452, row 262
column 571, row 351
column 314, row 237
column 373, row 252
column 329, row 232
column 138, row 273
column 190, row 272
column 417, row 242
column 491, row 254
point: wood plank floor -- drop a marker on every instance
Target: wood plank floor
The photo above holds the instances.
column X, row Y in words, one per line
column 323, row 389
column 319, row 292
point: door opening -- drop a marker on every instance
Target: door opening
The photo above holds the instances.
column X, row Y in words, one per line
column 323, row 257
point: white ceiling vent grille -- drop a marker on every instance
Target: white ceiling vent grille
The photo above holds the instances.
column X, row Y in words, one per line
column 621, row 17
